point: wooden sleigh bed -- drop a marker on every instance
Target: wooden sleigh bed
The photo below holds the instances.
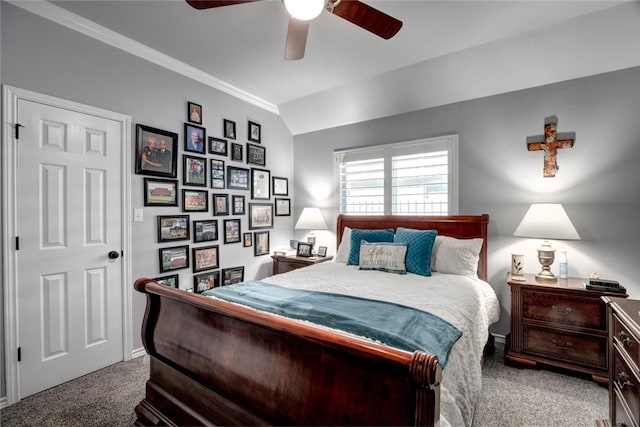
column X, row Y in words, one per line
column 217, row 363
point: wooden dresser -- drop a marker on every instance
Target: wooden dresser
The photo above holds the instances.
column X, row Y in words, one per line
column 559, row 324
column 282, row 264
column 624, row 352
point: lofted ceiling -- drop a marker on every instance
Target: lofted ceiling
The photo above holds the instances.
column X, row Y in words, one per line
column 446, row 51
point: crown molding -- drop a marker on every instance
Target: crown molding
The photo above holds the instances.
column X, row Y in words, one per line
column 92, row 29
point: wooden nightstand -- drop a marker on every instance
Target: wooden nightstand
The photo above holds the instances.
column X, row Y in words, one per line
column 560, row 324
column 282, row 264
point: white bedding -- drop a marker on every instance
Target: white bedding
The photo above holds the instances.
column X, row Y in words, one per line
column 468, row 303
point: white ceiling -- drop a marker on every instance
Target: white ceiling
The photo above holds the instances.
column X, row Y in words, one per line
column 351, row 75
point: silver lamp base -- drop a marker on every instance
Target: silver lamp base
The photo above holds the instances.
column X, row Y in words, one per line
column 546, row 256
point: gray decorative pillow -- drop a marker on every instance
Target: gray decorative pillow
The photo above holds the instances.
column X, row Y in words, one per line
column 389, row 257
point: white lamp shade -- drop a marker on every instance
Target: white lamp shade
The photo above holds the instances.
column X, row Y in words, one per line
column 304, row 10
column 311, row 219
column 547, row 221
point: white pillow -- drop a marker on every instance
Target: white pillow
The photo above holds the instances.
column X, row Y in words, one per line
column 456, row 256
column 342, row 255
column 389, row 257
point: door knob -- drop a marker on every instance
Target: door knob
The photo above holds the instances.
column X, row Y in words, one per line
column 114, row 255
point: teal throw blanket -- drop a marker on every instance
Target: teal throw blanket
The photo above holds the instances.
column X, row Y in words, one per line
column 395, row 325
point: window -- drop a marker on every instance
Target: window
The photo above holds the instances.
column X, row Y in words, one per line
column 406, row 178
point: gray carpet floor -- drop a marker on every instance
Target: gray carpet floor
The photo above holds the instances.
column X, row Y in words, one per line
column 510, row 397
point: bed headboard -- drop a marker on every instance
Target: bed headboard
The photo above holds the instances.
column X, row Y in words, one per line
column 458, row 226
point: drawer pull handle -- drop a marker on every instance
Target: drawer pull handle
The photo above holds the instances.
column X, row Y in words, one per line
column 623, row 381
column 566, row 346
column 561, row 310
column 624, row 338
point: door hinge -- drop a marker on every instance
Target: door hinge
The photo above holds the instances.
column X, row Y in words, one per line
column 17, row 127
column 19, row 354
column 17, row 243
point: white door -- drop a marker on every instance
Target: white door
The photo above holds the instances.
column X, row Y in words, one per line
column 69, row 219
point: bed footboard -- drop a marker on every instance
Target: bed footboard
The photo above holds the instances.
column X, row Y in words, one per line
column 214, row 362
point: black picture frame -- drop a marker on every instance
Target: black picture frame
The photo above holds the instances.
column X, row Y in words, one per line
column 279, row 186
column 304, row 249
column 232, row 275
column 173, row 258
column 205, row 230
column 160, row 192
column 205, row 281
column 195, row 138
column 194, row 171
column 220, row 204
column 236, row 152
column 238, row 205
column 229, row 127
column 194, row 113
column 260, row 216
column 205, row 258
column 218, row 146
column 261, row 243
column 232, row 230
column 260, row 184
column 195, row 200
column 156, row 152
column 282, row 207
column 172, row 280
column 173, row 227
column 237, row 178
column 254, row 131
column 322, row 251
column 256, row 154
column 247, row 240
column 216, row 171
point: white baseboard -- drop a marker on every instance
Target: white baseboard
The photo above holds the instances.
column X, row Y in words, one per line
column 3, row 402
column 501, row 339
column 138, row 352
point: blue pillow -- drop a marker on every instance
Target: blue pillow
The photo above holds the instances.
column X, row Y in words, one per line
column 358, row 235
column 420, row 245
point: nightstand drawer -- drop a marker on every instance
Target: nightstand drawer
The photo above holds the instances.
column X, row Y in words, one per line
column 564, row 310
column 625, row 340
column 621, row 416
column 571, row 347
column 626, row 384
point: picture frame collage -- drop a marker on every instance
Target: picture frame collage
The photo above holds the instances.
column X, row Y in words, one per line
column 220, row 177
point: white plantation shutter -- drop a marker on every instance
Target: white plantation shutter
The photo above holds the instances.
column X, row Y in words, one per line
column 407, row 178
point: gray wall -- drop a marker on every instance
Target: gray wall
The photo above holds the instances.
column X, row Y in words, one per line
column 598, row 181
column 42, row 56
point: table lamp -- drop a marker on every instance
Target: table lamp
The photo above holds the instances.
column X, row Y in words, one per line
column 311, row 219
column 546, row 221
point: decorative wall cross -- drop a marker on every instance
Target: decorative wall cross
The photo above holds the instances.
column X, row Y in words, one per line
column 550, row 146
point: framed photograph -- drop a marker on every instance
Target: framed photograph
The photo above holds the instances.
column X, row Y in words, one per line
column 260, row 184
column 256, row 154
column 247, row 240
column 280, row 186
column 217, row 173
column 232, row 275
column 217, row 146
column 173, row 258
column 322, row 251
column 260, row 215
column 237, row 178
column 156, row 152
column 171, row 281
column 160, row 192
column 232, row 231
column 261, row 246
column 205, row 231
column 195, row 201
column 229, row 127
column 194, row 171
column 237, row 205
column 253, row 131
column 194, row 138
column 194, row 113
column 205, row 258
column 304, row 249
column 205, row 281
column 283, row 207
column 173, row 227
column 236, row 152
column 220, row 204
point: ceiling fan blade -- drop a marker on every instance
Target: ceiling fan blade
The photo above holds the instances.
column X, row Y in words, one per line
column 296, row 39
column 208, row 4
column 365, row 16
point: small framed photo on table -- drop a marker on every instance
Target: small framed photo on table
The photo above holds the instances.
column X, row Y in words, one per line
column 322, row 251
column 304, row 249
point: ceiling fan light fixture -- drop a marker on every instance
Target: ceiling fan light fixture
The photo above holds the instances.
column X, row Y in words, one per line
column 304, row 10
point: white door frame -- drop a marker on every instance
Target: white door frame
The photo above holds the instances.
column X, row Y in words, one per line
column 9, row 224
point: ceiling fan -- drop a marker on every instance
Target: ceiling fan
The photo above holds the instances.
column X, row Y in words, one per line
column 354, row 11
